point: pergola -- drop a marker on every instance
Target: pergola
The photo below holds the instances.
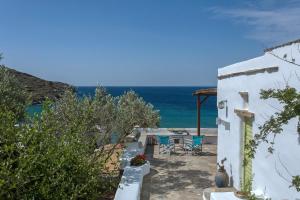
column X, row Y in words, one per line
column 205, row 93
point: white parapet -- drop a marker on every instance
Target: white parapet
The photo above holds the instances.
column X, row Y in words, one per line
column 223, row 196
column 131, row 182
column 132, row 179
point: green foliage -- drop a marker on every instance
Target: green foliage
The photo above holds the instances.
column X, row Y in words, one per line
column 13, row 96
column 70, row 114
column 36, row 163
column 252, row 197
column 53, row 156
column 9, row 152
column 132, row 110
column 103, row 114
column 104, row 106
column 247, row 187
column 296, row 183
column 289, row 98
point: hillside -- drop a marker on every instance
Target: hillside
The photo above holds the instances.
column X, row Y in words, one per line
column 39, row 88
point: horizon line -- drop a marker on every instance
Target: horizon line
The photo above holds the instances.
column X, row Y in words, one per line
column 146, row 85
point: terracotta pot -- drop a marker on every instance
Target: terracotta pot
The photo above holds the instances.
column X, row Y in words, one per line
column 145, row 168
column 221, row 178
column 241, row 195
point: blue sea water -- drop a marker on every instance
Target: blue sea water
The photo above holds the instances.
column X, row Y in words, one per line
column 176, row 104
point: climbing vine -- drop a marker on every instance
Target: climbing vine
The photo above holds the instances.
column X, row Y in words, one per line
column 289, row 98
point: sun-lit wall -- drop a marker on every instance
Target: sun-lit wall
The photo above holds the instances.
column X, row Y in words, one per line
column 270, row 171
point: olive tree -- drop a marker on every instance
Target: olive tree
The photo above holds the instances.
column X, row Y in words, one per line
column 13, row 95
column 49, row 156
column 133, row 111
column 53, row 155
column 104, row 106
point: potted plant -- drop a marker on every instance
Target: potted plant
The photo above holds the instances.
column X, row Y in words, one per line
column 245, row 193
column 140, row 162
column 248, row 196
column 241, row 194
column 221, row 177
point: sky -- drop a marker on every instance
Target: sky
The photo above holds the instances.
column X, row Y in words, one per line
column 140, row 42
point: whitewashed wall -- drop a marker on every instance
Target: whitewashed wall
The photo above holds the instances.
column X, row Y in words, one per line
column 269, row 169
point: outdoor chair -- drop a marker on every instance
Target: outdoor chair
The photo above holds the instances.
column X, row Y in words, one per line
column 165, row 143
column 197, row 143
column 193, row 144
column 187, row 144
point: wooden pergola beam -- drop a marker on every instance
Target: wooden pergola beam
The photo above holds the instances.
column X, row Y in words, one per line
column 206, row 93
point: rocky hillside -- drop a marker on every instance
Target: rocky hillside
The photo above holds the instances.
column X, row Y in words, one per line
column 39, row 88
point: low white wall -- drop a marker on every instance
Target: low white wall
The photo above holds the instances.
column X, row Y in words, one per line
column 270, row 176
column 132, row 179
column 131, row 182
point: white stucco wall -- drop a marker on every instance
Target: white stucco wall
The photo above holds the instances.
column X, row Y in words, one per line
column 268, row 169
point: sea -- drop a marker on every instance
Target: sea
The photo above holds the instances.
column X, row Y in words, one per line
column 177, row 105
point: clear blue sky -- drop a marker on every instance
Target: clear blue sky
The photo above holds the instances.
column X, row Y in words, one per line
column 141, row 42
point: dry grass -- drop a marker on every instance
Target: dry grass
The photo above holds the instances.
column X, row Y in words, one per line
column 113, row 163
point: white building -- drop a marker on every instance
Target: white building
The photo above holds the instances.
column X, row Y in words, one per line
column 239, row 86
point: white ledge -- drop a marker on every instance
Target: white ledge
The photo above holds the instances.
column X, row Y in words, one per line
column 132, row 179
column 249, row 72
column 131, row 182
column 244, row 113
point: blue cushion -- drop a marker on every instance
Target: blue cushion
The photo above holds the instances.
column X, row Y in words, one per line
column 163, row 139
column 197, row 140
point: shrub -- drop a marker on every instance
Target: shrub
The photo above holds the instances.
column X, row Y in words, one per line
column 52, row 156
column 13, row 96
column 38, row 164
column 132, row 110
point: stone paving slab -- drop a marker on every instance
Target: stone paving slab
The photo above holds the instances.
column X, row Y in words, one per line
column 179, row 176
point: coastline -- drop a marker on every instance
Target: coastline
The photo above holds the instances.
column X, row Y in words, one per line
column 177, row 106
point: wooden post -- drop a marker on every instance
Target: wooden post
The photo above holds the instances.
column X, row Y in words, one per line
column 205, row 93
column 198, row 114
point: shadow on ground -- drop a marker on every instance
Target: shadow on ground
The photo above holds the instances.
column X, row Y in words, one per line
column 174, row 181
column 178, row 176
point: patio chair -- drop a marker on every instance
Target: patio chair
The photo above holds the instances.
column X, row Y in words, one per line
column 197, row 143
column 193, row 144
column 187, row 144
column 165, row 143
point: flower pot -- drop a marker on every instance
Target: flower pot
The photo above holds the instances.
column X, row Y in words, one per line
column 221, row 178
column 145, row 168
column 241, row 195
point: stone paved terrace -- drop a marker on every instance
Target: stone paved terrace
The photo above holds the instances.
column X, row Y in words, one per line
column 179, row 176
